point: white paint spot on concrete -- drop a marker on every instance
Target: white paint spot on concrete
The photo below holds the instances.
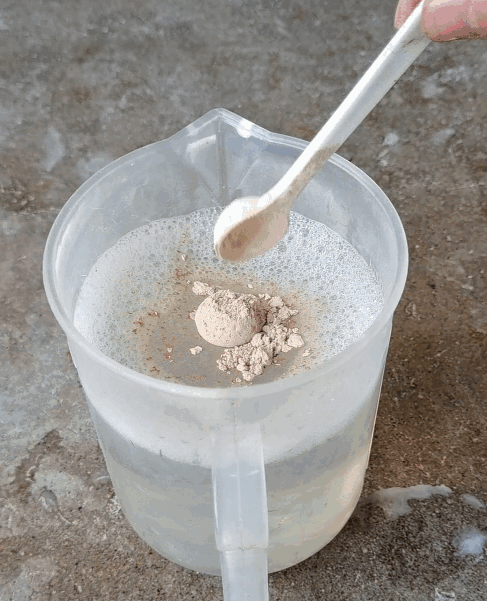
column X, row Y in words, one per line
column 54, row 148
column 472, row 501
column 444, row 595
column 390, row 139
column 430, row 89
column 394, row 501
column 123, row 102
column 442, row 136
column 34, row 577
column 114, row 507
column 63, row 485
column 12, row 521
column 455, row 74
column 470, row 541
column 10, row 225
column 87, row 168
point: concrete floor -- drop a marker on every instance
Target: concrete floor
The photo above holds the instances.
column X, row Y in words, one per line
column 82, row 83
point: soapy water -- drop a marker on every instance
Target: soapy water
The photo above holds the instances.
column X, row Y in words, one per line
column 394, row 501
column 134, row 304
column 470, row 541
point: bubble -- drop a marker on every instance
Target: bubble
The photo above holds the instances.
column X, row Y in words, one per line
column 336, row 291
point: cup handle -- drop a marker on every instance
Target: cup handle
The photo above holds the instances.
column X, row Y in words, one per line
column 240, row 506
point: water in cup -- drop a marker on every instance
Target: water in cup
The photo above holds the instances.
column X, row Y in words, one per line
column 135, row 302
column 115, row 254
column 134, row 306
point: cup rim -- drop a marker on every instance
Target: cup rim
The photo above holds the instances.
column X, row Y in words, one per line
column 235, row 393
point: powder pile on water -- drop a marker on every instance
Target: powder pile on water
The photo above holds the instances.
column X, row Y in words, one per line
column 259, row 324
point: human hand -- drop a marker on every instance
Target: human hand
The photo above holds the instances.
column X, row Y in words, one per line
column 445, row 20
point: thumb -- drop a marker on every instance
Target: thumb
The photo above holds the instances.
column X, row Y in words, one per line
column 445, row 20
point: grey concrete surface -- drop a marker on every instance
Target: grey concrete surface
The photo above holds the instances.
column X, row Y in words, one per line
column 82, row 83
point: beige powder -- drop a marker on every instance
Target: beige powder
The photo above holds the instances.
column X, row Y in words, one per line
column 228, row 319
column 253, row 327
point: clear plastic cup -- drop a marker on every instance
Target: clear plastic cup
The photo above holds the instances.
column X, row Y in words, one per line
column 156, row 436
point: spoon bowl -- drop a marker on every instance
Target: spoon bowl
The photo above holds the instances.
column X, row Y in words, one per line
column 249, row 227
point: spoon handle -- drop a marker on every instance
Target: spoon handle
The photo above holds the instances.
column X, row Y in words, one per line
column 392, row 62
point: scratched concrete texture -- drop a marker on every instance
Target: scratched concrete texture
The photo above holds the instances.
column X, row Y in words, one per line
column 81, row 84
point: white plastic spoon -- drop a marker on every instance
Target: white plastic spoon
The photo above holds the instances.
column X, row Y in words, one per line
column 249, row 226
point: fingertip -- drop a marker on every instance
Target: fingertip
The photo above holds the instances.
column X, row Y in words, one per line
column 399, row 15
column 403, row 10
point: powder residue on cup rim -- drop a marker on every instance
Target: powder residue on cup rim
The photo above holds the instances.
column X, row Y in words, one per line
column 262, row 320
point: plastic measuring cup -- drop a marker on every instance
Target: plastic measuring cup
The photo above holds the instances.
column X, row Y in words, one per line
column 316, row 427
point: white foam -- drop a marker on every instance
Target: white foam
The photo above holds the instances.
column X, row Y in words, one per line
column 472, row 501
column 394, row 501
column 470, row 541
column 335, row 284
